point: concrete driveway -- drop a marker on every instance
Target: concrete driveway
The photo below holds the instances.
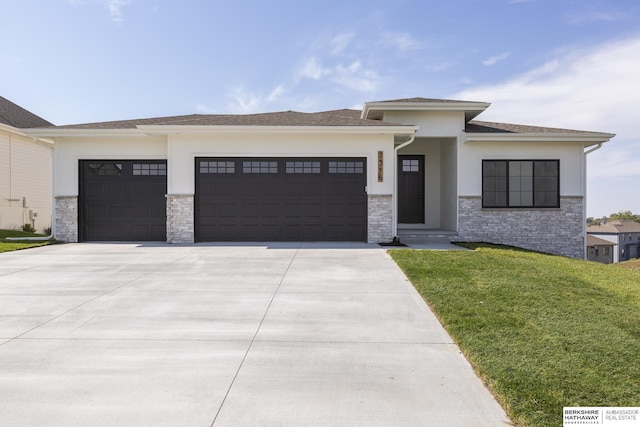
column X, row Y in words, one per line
column 225, row 335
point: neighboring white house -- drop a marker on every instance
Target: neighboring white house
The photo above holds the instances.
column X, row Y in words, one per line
column 622, row 233
column 25, row 170
column 395, row 168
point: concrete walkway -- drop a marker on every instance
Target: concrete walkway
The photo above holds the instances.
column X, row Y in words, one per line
column 225, row 335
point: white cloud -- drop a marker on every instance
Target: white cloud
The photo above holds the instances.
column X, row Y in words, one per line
column 439, row 66
column 311, row 69
column 247, row 102
column 340, row 42
column 492, row 60
column 402, row 41
column 355, row 77
column 276, row 93
column 115, row 7
column 591, row 17
column 594, row 89
column 352, row 76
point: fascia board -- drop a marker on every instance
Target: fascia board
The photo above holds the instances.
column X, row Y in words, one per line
column 208, row 130
column 425, row 106
column 21, row 132
column 589, row 138
column 84, row 133
column 10, row 129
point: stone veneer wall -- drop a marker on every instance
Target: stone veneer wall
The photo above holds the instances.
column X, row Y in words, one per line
column 66, row 220
column 380, row 222
column 556, row 231
column 180, row 214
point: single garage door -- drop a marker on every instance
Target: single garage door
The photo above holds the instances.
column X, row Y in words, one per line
column 281, row 199
column 123, row 200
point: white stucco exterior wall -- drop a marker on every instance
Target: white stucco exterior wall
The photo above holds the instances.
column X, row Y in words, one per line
column 571, row 156
column 431, row 123
column 183, row 150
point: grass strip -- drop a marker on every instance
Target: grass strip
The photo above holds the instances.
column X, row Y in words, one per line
column 16, row 245
column 542, row 331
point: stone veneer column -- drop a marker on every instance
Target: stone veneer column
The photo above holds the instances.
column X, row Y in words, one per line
column 380, row 221
column 558, row 231
column 66, row 218
column 180, row 217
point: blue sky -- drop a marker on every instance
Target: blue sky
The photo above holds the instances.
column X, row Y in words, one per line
column 566, row 63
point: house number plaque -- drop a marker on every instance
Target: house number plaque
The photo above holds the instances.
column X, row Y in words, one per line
column 380, row 167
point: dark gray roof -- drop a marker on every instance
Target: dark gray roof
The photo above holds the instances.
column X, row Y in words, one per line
column 596, row 241
column 284, row 118
column 615, row 227
column 16, row 116
column 476, row 126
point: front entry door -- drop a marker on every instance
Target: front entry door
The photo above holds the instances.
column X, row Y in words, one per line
column 411, row 189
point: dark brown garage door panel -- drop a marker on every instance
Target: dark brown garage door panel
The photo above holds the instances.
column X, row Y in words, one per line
column 281, row 199
column 123, row 200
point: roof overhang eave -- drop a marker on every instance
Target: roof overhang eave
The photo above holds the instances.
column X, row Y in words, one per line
column 208, row 130
column 471, row 109
column 587, row 139
column 83, row 133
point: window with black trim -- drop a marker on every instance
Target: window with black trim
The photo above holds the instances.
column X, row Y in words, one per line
column 520, row 183
column 302, row 167
column 259, row 167
column 217, row 167
column 105, row 169
column 346, row 167
column 149, row 169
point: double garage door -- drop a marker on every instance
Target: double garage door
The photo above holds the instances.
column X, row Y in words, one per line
column 237, row 199
column 281, row 199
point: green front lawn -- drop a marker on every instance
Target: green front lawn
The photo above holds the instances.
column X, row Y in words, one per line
column 6, row 246
column 544, row 332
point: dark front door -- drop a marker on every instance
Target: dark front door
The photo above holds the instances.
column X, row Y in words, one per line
column 123, row 200
column 281, row 199
column 411, row 189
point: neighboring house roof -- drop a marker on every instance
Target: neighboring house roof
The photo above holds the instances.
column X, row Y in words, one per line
column 16, row 116
column 596, row 241
column 615, row 227
column 284, row 118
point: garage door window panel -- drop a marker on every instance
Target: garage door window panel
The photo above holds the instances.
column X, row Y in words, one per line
column 259, row 167
column 346, row 167
column 217, row 167
column 104, row 169
column 149, row 169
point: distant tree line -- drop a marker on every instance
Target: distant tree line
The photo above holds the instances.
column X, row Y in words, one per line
column 621, row 215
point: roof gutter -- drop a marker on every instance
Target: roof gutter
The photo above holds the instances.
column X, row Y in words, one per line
column 597, row 147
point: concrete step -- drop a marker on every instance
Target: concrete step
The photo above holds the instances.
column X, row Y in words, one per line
column 417, row 232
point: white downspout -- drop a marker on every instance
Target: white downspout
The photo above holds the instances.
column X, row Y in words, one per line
column 584, row 216
column 394, row 228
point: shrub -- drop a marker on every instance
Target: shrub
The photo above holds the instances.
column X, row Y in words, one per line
column 28, row 228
